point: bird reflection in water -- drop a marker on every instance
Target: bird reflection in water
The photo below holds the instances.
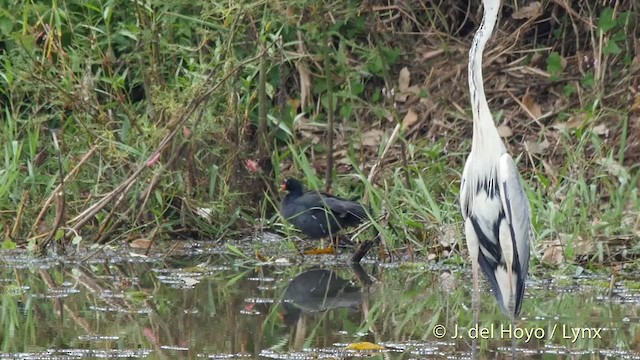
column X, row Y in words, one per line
column 317, row 290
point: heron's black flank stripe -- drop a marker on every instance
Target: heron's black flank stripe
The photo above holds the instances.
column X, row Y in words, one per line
column 488, row 186
column 489, row 241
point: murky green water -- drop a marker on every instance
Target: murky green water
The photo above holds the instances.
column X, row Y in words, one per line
column 204, row 304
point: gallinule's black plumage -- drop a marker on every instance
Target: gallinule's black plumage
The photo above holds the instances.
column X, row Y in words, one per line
column 318, row 214
column 318, row 290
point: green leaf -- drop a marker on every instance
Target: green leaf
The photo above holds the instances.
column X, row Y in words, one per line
column 543, row 180
column 346, row 110
column 31, row 246
column 271, row 91
column 554, row 65
column 76, row 240
column 391, row 54
column 158, row 196
column 377, row 94
column 138, row 296
column 569, row 90
column 125, row 130
column 413, row 224
column 8, row 74
column 7, row 244
column 611, row 48
column 281, row 124
column 589, row 80
column 324, row 100
column 357, row 88
column 340, row 57
column 234, row 250
column 606, row 21
column 6, row 25
column 106, row 13
column 374, row 65
column 128, row 34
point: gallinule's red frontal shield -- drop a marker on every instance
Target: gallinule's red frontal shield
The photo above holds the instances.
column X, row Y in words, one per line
column 318, row 214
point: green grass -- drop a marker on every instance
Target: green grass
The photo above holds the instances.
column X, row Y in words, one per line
column 259, row 81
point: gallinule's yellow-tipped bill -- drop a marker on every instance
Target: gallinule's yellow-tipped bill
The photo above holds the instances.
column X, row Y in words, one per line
column 318, row 214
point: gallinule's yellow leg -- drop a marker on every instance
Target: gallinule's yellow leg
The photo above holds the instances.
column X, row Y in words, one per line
column 328, row 250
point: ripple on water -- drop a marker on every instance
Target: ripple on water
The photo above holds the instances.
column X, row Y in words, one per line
column 56, row 293
column 106, row 309
column 107, row 353
column 399, row 305
column 98, row 337
column 225, row 356
column 174, row 348
column 64, row 354
column 265, row 279
column 321, row 353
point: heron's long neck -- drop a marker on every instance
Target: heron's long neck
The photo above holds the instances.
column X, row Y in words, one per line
column 485, row 135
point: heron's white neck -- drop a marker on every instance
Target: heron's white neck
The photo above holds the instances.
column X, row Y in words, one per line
column 486, row 139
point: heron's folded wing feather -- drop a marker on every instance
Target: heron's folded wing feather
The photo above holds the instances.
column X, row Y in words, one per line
column 516, row 206
column 518, row 216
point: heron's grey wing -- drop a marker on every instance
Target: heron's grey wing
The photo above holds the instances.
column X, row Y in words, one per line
column 518, row 216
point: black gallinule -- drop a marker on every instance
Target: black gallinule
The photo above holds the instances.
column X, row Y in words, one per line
column 318, row 214
column 318, row 290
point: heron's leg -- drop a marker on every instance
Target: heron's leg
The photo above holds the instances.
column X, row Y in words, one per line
column 475, row 298
column 511, row 306
column 475, row 304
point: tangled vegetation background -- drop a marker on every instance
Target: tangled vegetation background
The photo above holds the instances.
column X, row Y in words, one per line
column 180, row 119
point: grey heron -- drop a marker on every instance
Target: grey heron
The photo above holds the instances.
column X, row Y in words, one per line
column 494, row 206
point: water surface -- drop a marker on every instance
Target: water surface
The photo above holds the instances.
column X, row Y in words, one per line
column 199, row 302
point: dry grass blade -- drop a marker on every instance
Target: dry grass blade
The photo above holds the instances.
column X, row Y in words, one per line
column 379, row 161
column 60, row 203
column 18, row 220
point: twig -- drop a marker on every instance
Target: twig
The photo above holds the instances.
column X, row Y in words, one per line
column 71, row 174
column 173, row 247
column 327, row 72
column 152, row 240
column 362, row 250
column 262, row 103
